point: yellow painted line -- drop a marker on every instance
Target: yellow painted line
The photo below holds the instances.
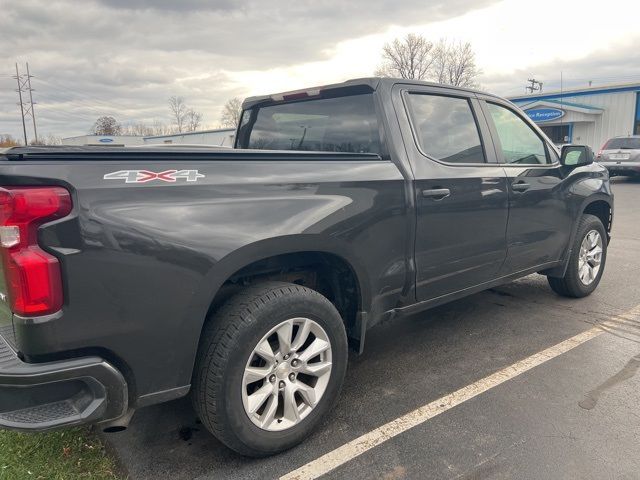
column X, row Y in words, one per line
column 372, row 439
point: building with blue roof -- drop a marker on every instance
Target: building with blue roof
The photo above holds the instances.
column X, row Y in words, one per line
column 586, row 116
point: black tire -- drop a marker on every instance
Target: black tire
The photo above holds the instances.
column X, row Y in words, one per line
column 570, row 285
column 228, row 340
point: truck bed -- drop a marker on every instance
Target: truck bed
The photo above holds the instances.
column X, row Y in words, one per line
column 142, row 256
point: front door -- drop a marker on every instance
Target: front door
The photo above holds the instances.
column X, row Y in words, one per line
column 540, row 220
column 460, row 191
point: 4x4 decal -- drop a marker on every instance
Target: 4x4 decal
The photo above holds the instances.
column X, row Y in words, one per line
column 144, row 176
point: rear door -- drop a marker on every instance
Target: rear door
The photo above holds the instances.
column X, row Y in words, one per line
column 540, row 219
column 460, row 191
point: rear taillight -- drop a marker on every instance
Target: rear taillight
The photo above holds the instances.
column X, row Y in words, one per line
column 34, row 282
column 604, row 145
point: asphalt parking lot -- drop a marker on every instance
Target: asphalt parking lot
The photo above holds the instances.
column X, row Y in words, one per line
column 575, row 415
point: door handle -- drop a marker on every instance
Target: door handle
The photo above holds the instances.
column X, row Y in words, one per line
column 520, row 186
column 491, row 181
column 436, row 193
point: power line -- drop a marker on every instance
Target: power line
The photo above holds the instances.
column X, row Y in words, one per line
column 574, row 82
column 78, row 105
column 57, row 116
column 76, row 96
column 76, row 92
column 82, row 104
column 83, row 101
column 74, row 108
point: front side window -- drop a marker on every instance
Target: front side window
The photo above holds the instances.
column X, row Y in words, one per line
column 520, row 144
column 446, row 128
column 340, row 124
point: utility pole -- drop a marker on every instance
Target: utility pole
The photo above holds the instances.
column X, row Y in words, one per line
column 33, row 112
column 24, row 127
column 534, row 86
column 26, row 108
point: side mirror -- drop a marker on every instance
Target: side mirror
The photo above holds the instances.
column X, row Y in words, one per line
column 576, row 155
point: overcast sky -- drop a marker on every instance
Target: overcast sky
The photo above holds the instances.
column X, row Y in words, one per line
column 127, row 57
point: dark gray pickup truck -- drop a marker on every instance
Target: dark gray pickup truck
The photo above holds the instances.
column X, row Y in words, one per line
column 135, row 276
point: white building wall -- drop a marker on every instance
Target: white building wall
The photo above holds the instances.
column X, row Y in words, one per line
column 615, row 115
column 103, row 140
column 616, row 119
column 217, row 137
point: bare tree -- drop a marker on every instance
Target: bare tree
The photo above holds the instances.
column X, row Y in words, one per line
column 6, row 140
column 231, row 113
column 52, row 139
column 184, row 118
column 139, row 129
column 455, row 64
column 106, row 125
column 142, row 129
column 414, row 57
column 47, row 140
column 410, row 57
column 193, row 120
column 160, row 128
column 178, row 109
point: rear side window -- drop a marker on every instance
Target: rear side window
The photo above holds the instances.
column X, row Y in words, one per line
column 446, row 128
column 520, row 144
column 340, row 124
column 629, row 143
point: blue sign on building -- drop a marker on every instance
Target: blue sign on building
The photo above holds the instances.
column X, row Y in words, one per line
column 539, row 115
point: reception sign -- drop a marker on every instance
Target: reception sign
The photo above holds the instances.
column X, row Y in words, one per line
column 540, row 115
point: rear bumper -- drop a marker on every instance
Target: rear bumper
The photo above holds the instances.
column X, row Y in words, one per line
column 622, row 168
column 41, row 396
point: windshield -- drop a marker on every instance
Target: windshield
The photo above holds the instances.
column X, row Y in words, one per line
column 626, row 143
column 340, row 124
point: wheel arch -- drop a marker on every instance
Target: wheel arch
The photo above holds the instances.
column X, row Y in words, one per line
column 596, row 204
column 602, row 209
column 287, row 258
column 599, row 205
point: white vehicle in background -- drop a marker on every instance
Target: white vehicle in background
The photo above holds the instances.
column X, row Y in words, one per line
column 621, row 156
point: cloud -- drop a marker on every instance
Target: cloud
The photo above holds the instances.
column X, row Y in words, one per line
column 246, row 34
column 619, row 63
column 173, row 5
column 126, row 57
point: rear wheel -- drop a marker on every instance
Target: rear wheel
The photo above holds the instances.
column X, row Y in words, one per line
column 587, row 261
column 270, row 366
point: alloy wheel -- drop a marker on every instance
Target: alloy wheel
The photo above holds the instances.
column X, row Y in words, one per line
column 590, row 257
column 287, row 374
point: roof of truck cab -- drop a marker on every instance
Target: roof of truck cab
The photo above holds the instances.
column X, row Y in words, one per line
column 373, row 83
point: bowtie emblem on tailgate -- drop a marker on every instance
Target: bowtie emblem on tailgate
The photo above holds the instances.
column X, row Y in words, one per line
column 144, row 176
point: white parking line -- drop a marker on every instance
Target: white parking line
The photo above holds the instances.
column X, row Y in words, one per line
column 362, row 444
